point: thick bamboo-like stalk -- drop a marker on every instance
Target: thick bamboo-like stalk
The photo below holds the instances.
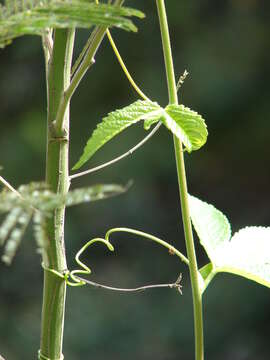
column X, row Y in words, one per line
column 54, row 292
column 59, row 92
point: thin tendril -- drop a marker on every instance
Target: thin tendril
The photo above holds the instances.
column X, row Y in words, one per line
column 123, row 66
column 78, row 281
column 175, row 285
column 129, row 152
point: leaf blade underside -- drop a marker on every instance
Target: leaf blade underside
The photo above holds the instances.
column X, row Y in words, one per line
column 20, row 18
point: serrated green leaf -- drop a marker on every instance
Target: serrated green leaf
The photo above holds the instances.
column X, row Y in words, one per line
column 212, row 227
column 187, row 125
column 246, row 254
column 32, row 17
column 116, row 122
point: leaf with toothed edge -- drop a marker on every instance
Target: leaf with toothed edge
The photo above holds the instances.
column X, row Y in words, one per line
column 184, row 123
column 187, row 125
column 116, row 122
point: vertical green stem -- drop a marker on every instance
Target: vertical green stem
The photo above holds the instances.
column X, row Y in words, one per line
column 197, row 297
column 54, row 292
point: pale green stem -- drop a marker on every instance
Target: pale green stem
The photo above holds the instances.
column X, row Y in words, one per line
column 54, row 293
column 193, row 268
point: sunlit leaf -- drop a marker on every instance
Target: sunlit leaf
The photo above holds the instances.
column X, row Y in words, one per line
column 187, row 125
column 116, row 122
column 246, row 254
column 212, row 227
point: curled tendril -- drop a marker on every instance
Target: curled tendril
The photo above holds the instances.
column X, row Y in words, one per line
column 78, row 281
column 86, row 270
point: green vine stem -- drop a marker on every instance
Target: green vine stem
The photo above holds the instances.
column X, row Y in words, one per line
column 54, row 292
column 193, row 268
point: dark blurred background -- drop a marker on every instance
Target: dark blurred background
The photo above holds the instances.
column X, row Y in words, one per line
column 225, row 46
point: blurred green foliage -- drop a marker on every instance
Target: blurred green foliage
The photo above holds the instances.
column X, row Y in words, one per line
column 225, row 47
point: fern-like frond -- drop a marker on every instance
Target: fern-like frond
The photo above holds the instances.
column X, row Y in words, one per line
column 32, row 17
column 15, row 237
column 36, row 201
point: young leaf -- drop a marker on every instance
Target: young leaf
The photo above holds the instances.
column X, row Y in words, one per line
column 187, row 125
column 246, row 254
column 116, row 122
column 32, row 17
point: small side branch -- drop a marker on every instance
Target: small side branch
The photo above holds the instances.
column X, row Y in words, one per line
column 176, row 285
